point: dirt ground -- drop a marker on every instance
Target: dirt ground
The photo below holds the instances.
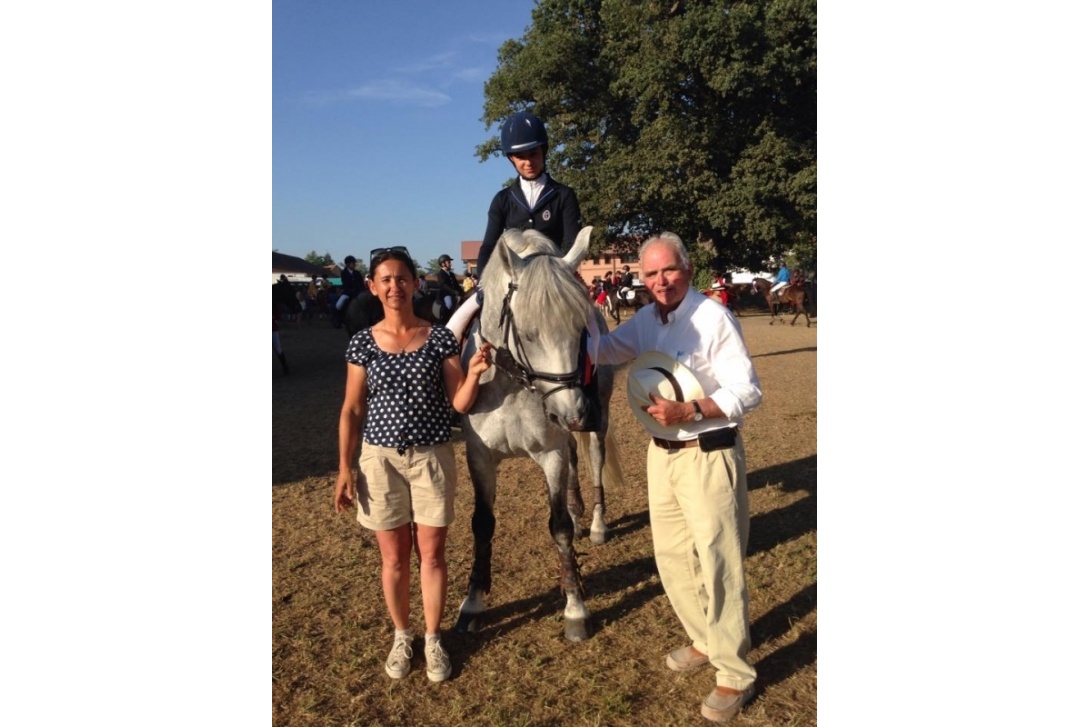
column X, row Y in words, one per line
column 331, row 631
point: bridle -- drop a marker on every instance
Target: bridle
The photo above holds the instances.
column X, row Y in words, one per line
column 510, row 360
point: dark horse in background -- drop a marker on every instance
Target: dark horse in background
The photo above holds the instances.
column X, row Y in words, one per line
column 792, row 295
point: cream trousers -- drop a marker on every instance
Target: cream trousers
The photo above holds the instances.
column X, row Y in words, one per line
column 699, row 511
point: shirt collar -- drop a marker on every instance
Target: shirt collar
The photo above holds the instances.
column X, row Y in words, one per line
column 532, row 188
column 683, row 309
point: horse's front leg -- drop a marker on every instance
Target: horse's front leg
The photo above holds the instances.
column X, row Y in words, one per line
column 555, row 463
column 482, row 471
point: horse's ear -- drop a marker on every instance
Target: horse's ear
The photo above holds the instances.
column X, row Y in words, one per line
column 510, row 260
column 579, row 248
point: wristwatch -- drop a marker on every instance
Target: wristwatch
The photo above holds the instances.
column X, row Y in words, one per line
column 697, row 414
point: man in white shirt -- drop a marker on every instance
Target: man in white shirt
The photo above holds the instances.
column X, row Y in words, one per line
column 696, row 477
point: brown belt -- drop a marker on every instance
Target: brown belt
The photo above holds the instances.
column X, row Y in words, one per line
column 671, row 444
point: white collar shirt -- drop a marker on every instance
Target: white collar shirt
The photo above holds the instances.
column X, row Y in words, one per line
column 704, row 336
column 532, row 188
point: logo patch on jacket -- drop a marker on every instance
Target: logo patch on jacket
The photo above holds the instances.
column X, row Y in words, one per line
column 546, row 215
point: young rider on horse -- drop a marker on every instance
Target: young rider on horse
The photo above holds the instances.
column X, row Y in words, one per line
column 448, row 287
column 535, row 201
column 351, row 286
column 625, row 284
column 783, row 278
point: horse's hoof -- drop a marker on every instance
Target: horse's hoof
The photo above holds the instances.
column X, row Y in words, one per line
column 575, row 629
column 598, row 537
column 467, row 624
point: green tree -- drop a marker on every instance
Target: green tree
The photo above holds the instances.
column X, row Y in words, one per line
column 314, row 258
column 696, row 116
column 432, row 266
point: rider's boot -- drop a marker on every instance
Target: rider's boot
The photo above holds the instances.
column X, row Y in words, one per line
column 594, row 405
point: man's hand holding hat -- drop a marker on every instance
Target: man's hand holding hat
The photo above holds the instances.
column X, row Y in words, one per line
column 668, row 412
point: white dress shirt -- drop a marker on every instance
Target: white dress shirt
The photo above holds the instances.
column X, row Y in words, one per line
column 704, row 336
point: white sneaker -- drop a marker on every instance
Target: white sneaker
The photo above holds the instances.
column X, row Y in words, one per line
column 438, row 661
column 398, row 662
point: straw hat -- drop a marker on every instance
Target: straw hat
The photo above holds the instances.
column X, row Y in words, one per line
column 653, row 372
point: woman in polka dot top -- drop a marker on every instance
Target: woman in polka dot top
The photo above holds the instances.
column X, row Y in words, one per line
column 403, row 377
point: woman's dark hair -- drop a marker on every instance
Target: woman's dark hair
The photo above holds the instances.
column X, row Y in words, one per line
column 382, row 256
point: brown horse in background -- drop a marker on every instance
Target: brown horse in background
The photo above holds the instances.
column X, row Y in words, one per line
column 792, row 295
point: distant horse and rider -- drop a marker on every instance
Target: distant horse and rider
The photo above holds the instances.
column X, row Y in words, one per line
column 793, row 295
column 634, row 298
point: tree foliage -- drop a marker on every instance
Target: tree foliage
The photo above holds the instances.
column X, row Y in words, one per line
column 695, row 116
column 314, row 258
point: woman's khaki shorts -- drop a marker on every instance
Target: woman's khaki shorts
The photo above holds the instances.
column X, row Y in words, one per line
column 417, row 486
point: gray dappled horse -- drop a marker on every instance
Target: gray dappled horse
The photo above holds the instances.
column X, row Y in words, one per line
column 531, row 404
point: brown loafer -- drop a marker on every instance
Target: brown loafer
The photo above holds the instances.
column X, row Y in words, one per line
column 685, row 658
column 723, row 707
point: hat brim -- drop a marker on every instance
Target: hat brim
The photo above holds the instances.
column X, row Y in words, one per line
column 684, row 386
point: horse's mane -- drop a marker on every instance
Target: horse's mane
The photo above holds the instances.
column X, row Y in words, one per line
column 550, row 298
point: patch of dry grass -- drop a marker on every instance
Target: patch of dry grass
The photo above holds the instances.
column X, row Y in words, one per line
column 331, row 631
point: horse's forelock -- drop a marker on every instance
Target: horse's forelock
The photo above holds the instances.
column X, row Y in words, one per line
column 550, row 298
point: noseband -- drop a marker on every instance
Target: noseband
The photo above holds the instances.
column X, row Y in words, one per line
column 510, row 361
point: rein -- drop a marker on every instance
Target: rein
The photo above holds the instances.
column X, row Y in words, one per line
column 508, row 360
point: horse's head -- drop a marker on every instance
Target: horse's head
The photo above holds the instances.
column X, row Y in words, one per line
column 535, row 312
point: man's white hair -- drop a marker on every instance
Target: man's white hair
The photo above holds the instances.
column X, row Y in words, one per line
column 673, row 241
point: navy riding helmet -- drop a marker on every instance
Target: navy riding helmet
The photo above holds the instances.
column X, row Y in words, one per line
column 522, row 132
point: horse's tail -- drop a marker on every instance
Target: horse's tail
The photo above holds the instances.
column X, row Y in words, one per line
column 611, row 472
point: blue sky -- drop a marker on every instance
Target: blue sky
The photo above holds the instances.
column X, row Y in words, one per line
column 376, row 111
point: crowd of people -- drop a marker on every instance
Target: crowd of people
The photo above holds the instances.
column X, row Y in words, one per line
column 691, row 383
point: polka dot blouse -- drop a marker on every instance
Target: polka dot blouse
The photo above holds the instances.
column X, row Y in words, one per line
column 406, row 402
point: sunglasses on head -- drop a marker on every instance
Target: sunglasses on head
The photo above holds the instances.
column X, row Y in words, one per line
column 382, row 250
